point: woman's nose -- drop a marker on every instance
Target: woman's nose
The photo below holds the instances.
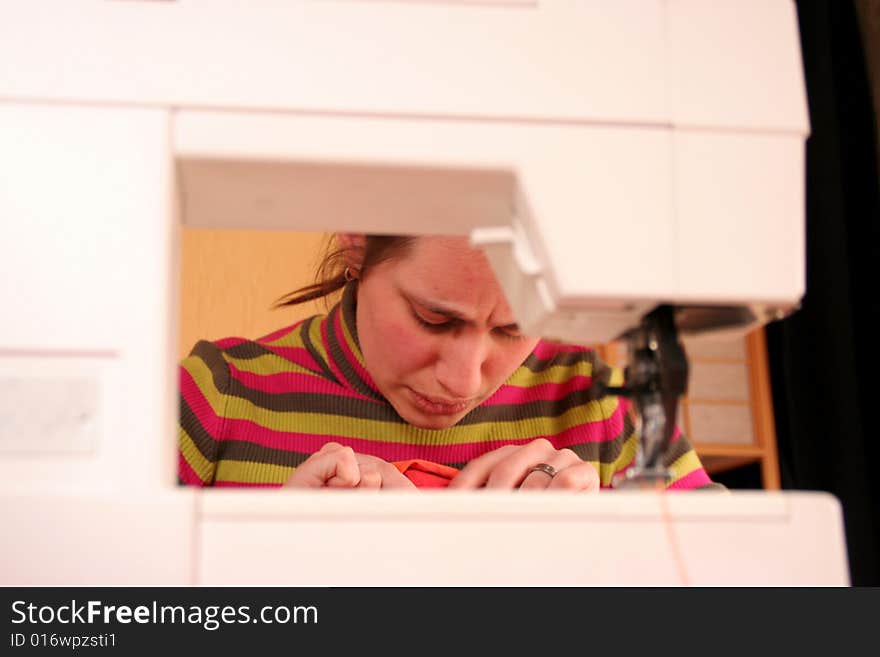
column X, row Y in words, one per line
column 459, row 368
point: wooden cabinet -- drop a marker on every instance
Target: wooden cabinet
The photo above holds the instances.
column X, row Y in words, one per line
column 728, row 410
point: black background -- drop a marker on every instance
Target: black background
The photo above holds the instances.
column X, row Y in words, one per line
column 368, row 621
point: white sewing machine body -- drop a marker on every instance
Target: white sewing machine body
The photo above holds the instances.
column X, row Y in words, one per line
column 608, row 156
column 286, row 538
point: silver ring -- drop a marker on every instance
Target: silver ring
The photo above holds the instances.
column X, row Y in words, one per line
column 546, row 468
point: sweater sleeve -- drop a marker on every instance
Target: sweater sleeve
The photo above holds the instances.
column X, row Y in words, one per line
column 203, row 388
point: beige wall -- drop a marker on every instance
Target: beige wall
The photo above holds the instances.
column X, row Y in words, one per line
column 231, row 278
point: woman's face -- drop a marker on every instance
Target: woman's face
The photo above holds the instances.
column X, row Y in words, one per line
column 436, row 332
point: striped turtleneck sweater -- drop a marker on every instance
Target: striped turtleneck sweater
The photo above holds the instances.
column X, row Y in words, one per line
column 252, row 411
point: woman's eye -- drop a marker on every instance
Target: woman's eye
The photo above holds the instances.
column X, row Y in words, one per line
column 432, row 324
column 510, row 335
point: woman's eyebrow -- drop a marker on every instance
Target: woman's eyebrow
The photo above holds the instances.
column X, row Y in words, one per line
column 439, row 309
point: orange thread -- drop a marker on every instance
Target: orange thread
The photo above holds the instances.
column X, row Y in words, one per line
column 674, row 546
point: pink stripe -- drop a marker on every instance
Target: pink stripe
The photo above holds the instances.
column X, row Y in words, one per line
column 508, row 394
column 280, row 333
column 692, row 480
column 330, row 360
column 227, row 343
column 676, row 434
column 186, row 473
column 349, row 353
column 298, row 355
column 292, row 382
column 545, row 349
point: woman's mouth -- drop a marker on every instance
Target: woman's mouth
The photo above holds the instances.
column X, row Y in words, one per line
column 435, row 406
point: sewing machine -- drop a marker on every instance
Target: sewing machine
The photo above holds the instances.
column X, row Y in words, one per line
column 632, row 169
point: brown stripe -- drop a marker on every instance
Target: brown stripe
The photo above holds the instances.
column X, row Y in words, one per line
column 242, row 450
column 304, row 331
column 539, row 408
column 316, row 402
column 212, row 356
column 204, row 441
column 676, row 450
column 248, row 351
column 566, row 359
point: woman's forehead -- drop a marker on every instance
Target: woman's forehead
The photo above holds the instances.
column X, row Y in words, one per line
column 449, row 257
column 448, row 271
column 444, row 247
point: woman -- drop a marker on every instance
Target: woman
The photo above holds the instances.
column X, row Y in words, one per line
column 418, row 376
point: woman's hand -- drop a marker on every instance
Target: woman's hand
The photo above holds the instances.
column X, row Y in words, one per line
column 513, row 466
column 335, row 466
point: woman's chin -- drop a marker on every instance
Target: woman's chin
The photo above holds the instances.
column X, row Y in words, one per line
column 433, row 421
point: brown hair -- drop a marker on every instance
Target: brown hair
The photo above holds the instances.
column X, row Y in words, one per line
column 331, row 274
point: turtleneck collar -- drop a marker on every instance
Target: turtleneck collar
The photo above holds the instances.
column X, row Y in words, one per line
column 343, row 347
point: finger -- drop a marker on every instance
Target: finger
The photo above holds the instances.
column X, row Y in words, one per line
column 511, row 472
column 336, row 467
column 370, row 477
column 538, row 479
column 581, row 477
column 393, row 478
column 389, row 476
column 327, row 448
column 476, row 472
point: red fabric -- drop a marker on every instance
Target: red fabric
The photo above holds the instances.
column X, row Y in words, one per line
column 426, row 474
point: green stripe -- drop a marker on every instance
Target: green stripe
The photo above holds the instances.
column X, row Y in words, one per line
column 248, row 472
column 194, row 456
column 271, row 364
column 608, row 451
column 334, row 424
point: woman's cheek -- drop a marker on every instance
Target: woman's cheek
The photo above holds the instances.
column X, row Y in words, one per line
column 408, row 347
